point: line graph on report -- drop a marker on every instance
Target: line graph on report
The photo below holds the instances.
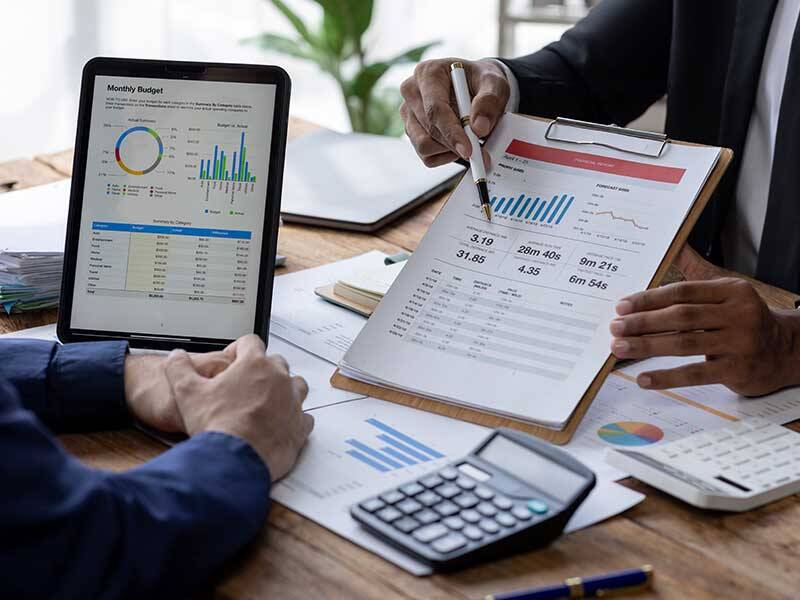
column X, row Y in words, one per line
column 623, row 219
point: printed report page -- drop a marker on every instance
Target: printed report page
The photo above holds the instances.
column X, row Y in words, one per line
column 512, row 315
column 173, row 208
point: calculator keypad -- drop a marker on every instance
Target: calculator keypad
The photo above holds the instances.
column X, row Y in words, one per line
column 412, row 489
column 448, row 490
column 466, row 500
column 448, row 510
column 426, row 516
column 392, row 497
column 450, row 542
column 448, row 473
column 430, row 532
column 428, row 498
column 472, row 533
column 484, row 493
column 471, row 516
column 745, row 458
column 406, row 524
column 465, row 483
column 389, row 514
column 454, row 523
column 431, row 481
column 409, row 506
column 502, row 502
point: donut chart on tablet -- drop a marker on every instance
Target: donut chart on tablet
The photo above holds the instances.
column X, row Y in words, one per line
column 147, row 144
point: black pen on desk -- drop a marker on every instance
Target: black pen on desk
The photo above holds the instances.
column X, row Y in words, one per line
column 464, row 101
column 597, row 586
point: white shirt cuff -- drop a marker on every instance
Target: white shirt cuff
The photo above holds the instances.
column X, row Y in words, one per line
column 513, row 97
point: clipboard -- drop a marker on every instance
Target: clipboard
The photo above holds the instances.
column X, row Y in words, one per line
column 647, row 144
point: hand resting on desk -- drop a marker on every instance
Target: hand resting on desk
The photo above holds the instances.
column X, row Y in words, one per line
column 239, row 391
column 749, row 347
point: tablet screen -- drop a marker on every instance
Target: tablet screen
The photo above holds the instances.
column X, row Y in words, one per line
column 173, row 207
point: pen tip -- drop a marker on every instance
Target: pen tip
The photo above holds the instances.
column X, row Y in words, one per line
column 488, row 210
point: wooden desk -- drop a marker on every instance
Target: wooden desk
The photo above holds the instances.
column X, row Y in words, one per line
column 695, row 554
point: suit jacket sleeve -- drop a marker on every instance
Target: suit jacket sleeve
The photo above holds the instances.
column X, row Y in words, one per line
column 609, row 68
column 72, row 387
column 159, row 530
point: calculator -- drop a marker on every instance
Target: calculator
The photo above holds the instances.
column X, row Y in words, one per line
column 512, row 493
column 741, row 466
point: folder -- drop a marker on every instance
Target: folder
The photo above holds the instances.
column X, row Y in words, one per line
column 579, row 133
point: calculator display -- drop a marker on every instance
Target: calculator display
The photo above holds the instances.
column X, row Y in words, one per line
column 532, row 468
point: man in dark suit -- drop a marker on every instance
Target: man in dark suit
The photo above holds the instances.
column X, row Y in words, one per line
column 731, row 72
column 163, row 529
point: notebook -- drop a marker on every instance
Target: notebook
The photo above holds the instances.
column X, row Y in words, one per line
column 363, row 290
column 357, row 181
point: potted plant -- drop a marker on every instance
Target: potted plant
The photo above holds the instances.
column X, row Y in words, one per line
column 337, row 47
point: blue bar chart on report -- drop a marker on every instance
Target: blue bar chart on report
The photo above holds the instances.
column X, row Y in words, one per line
column 390, row 449
column 524, row 207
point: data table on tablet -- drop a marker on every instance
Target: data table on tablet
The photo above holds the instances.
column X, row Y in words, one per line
column 175, row 263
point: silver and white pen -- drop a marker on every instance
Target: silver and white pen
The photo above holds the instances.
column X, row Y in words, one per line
column 464, row 101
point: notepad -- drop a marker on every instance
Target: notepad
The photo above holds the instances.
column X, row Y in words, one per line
column 357, row 181
column 510, row 317
column 361, row 291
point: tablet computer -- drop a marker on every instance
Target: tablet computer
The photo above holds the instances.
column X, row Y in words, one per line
column 175, row 203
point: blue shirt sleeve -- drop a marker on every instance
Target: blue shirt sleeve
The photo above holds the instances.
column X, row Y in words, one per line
column 76, row 387
column 160, row 530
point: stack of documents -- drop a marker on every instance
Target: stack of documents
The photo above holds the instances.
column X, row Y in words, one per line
column 32, row 236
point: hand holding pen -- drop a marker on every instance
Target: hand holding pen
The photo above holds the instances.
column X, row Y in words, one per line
column 464, row 101
column 430, row 117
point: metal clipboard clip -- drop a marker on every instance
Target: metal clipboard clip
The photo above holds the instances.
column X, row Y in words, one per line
column 612, row 129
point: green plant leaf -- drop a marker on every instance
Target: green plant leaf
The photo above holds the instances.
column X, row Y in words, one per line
column 296, row 22
column 360, row 13
column 282, row 44
column 364, row 81
column 333, row 33
column 347, row 20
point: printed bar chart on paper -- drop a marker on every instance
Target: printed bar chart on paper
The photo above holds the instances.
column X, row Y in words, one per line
column 511, row 316
column 533, row 209
column 399, row 450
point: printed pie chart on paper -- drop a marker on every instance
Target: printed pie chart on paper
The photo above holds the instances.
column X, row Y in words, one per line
column 630, row 433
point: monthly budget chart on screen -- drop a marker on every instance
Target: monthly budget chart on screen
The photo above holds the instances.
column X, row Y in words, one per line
column 173, row 208
column 512, row 315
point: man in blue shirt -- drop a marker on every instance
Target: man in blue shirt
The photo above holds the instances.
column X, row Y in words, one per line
column 161, row 529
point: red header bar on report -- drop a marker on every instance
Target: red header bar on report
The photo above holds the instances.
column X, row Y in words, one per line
column 594, row 162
